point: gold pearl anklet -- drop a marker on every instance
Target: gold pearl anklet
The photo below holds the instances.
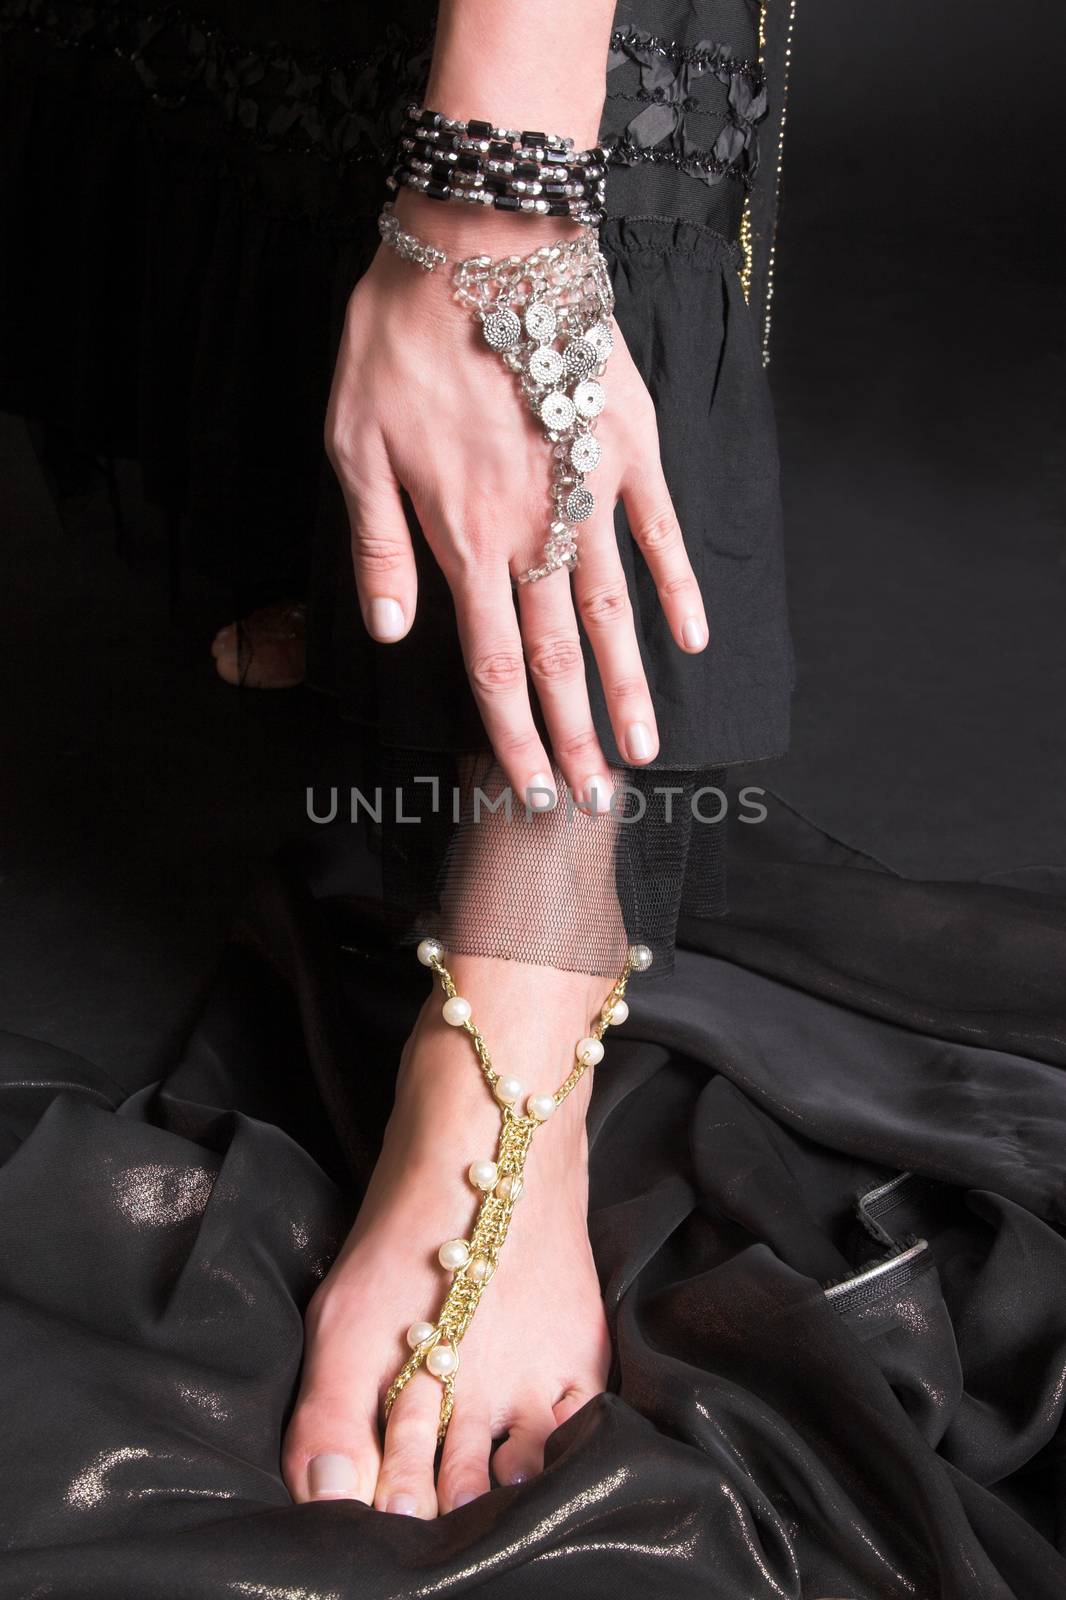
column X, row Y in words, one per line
column 473, row 1261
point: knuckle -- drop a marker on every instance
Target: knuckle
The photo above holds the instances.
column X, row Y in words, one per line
column 552, row 659
column 519, row 745
column 658, row 530
column 607, row 603
column 624, row 688
column 678, row 588
column 374, row 554
column 576, row 745
column 339, row 449
column 496, row 671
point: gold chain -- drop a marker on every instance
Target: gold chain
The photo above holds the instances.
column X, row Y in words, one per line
column 473, row 1261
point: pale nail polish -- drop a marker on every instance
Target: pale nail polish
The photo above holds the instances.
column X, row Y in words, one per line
column 540, row 792
column 465, row 1498
column 385, row 619
column 331, row 1477
column 638, row 742
column 402, row 1505
column 694, row 633
column 597, row 795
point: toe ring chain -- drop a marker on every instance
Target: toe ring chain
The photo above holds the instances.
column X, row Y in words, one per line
column 473, row 1261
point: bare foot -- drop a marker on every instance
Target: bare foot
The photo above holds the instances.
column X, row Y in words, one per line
column 266, row 650
column 538, row 1346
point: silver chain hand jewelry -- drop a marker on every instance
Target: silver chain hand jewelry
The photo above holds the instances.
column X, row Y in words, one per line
column 548, row 315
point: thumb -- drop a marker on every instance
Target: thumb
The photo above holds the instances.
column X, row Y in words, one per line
column 382, row 554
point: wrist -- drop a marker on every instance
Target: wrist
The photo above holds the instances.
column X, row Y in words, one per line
column 523, row 67
column 461, row 229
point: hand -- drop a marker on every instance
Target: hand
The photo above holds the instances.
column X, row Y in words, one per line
column 418, row 400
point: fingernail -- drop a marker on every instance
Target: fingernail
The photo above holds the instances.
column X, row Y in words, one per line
column 638, row 741
column 597, row 795
column 331, row 1477
column 694, row 633
column 402, row 1505
column 385, row 619
column 540, row 792
column 465, row 1498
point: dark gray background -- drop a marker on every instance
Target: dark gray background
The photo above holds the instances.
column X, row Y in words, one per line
column 917, row 364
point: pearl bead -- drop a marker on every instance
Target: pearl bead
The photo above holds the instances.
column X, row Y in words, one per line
column 618, row 1013
column 590, row 1051
column 429, row 950
column 540, row 1106
column 509, row 1187
column 483, row 1174
column 640, row 957
column 442, row 1360
column 456, row 1011
column 453, row 1254
column 507, row 1091
column 418, row 1332
column 479, row 1270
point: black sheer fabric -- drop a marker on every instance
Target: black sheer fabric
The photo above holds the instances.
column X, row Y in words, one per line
column 466, row 859
column 826, row 1207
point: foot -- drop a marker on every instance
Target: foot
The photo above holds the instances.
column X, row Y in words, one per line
column 264, row 651
column 538, row 1347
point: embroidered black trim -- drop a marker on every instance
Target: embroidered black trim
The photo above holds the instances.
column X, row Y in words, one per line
column 647, row 97
column 624, row 153
column 717, row 57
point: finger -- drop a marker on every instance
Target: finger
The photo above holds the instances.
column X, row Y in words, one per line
column 658, row 534
column 382, row 553
column 405, row 1482
column 464, row 1467
column 606, row 610
column 492, row 651
column 557, row 667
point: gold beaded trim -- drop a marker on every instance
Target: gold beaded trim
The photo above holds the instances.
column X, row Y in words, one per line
column 473, row 1261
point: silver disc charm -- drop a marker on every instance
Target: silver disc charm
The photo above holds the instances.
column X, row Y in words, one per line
column 502, row 329
column 556, row 410
column 589, row 398
column 585, row 452
column 540, row 321
column 601, row 339
column 545, row 364
column 581, row 357
column 579, row 505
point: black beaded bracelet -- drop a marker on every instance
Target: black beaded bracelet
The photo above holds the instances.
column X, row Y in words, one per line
column 508, row 168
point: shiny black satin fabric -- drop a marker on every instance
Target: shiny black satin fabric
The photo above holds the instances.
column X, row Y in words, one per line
column 830, row 1237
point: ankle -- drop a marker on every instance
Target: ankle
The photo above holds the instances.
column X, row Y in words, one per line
column 530, row 1017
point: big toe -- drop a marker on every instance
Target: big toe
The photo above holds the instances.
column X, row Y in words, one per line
column 330, row 1453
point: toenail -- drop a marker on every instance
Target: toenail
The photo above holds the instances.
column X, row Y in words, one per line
column 465, row 1498
column 519, row 1475
column 331, row 1477
column 402, row 1505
